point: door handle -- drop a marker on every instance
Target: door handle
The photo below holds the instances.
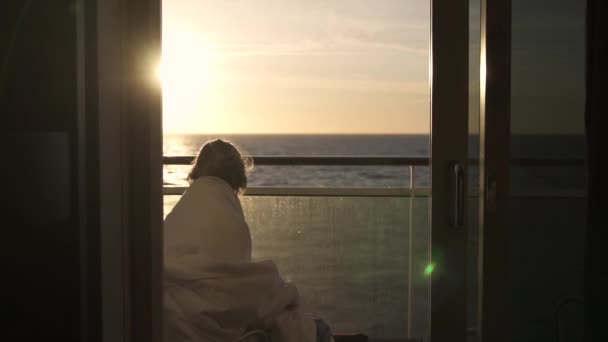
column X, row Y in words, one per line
column 458, row 193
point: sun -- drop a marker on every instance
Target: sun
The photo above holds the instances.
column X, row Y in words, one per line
column 186, row 61
column 159, row 73
column 185, row 72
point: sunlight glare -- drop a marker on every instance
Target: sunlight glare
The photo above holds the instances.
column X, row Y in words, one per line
column 158, row 73
column 185, row 71
column 186, row 61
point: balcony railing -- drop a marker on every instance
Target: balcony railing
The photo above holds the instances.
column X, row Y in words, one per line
column 406, row 239
column 408, row 162
column 411, row 163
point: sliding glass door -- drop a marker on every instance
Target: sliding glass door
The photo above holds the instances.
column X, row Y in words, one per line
column 449, row 166
column 357, row 116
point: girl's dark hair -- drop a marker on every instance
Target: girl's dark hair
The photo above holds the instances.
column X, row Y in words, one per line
column 222, row 159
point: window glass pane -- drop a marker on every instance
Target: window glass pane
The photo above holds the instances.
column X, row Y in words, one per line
column 341, row 78
column 547, row 202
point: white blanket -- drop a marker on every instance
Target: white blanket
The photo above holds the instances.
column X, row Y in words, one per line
column 213, row 290
column 208, row 222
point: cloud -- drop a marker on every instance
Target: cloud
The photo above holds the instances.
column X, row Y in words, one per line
column 312, row 27
column 334, row 47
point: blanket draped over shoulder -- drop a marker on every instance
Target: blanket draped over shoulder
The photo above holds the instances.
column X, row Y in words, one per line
column 213, row 289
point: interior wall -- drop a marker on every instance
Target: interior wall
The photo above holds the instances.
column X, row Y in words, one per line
column 40, row 252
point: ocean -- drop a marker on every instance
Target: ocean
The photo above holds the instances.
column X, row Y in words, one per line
column 529, row 146
column 359, row 262
column 314, row 145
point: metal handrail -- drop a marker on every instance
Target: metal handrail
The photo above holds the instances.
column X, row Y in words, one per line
column 318, row 160
column 320, row 191
column 404, row 191
column 373, row 161
column 409, row 162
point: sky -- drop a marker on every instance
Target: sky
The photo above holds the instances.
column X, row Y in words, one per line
column 293, row 66
column 346, row 66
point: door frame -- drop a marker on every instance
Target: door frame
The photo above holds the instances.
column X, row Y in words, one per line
column 494, row 312
column 122, row 46
column 449, row 71
column 126, row 42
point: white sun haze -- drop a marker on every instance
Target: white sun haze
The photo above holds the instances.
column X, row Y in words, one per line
column 186, row 73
